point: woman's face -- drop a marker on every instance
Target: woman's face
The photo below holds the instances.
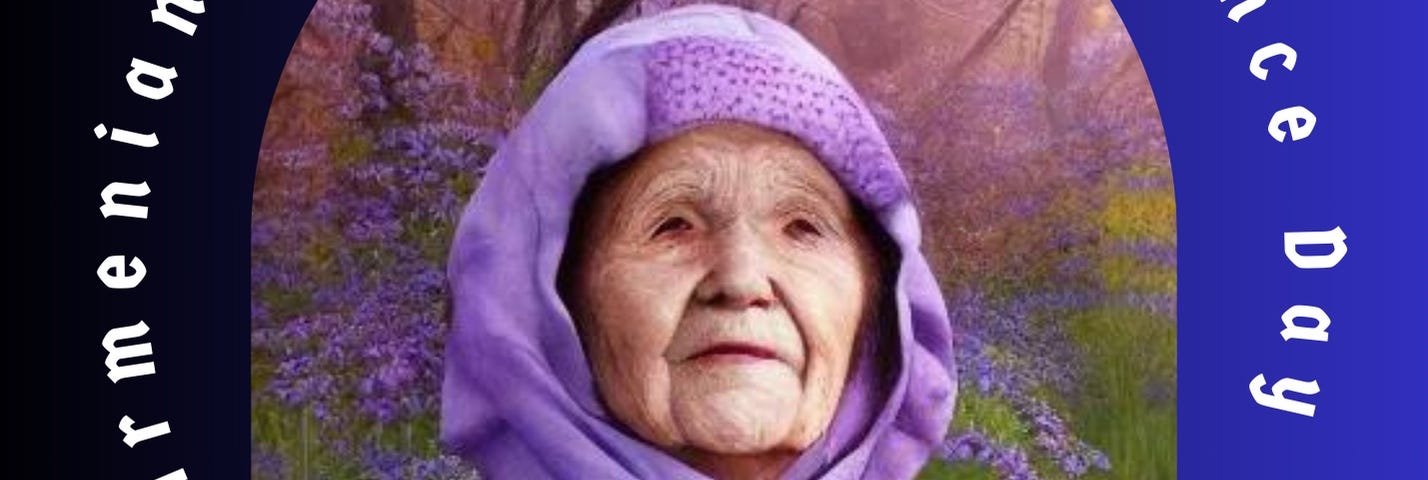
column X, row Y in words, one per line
column 719, row 292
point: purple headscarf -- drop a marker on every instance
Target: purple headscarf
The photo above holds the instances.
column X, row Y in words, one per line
column 519, row 399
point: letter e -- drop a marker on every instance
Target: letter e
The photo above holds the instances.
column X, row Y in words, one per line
column 119, row 280
column 1290, row 118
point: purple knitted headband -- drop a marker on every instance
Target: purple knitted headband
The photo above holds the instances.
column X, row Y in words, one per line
column 698, row 80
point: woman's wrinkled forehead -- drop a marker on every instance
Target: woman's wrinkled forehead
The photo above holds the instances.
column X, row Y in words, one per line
column 711, row 162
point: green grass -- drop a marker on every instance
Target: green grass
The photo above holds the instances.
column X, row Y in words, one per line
column 1125, row 403
column 1127, row 406
column 308, row 447
column 939, row 470
column 991, row 416
column 296, row 438
column 1129, row 356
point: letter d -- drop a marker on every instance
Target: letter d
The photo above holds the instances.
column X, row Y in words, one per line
column 1293, row 240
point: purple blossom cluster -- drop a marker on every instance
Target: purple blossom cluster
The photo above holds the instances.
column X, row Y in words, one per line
column 348, row 274
column 1023, row 358
column 389, row 465
column 1009, row 462
column 265, row 463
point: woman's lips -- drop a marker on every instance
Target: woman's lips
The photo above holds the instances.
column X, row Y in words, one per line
column 736, row 352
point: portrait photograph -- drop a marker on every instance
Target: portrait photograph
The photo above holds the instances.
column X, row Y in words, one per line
column 596, row 239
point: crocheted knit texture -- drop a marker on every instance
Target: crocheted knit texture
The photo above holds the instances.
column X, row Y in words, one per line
column 693, row 81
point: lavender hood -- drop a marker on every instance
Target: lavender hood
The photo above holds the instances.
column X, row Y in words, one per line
column 519, row 399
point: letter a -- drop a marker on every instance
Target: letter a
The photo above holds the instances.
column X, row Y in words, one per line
column 139, row 68
column 1276, row 398
column 176, row 475
column 1336, row 237
column 1319, row 332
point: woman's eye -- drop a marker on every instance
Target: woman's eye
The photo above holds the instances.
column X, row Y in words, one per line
column 801, row 228
column 671, row 225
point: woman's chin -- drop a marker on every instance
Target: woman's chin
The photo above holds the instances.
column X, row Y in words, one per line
column 735, row 408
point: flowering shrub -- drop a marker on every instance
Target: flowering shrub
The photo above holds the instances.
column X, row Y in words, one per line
column 348, row 274
column 1052, row 228
column 1063, row 290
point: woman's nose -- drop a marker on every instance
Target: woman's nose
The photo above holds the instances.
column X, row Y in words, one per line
column 739, row 273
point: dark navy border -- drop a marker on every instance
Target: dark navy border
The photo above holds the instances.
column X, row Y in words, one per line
column 194, row 243
column 1364, row 169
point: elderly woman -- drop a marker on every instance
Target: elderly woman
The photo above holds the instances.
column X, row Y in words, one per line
column 696, row 257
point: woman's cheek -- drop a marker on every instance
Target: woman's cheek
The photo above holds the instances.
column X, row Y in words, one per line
column 827, row 297
column 636, row 310
column 634, row 328
column 832, row 293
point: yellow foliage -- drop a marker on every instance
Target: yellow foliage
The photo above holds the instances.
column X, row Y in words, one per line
column 1140, row 215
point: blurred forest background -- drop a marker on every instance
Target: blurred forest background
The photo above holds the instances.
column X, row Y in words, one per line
column 1027, row 127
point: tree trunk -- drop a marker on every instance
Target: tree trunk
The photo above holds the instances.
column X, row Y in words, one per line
column 395, row 19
